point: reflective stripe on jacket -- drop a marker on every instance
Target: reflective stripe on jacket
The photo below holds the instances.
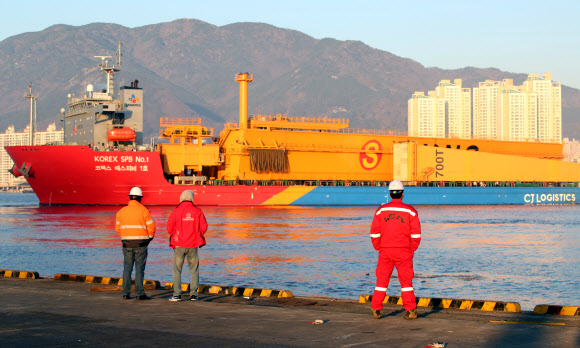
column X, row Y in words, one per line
column 135, row 225
column 186, row 226
column 396, row 225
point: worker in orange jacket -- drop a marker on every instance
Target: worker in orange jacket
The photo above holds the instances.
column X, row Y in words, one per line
column 396, row 234
column 136, row 227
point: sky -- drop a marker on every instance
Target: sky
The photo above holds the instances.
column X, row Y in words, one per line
column 519, row 36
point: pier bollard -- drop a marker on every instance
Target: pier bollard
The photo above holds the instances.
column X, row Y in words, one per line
column 557, row 310
column 184, row 287
column 18, row 274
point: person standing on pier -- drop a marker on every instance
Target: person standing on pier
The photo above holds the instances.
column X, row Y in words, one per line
column 136, row 227
column 396, row 234
column 186, row 226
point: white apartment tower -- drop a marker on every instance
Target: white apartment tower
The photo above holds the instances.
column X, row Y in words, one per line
column 12, row 138
column 549, row 106
column 457, row 108
column 485, row 108
column 426, row 115
column 517, row 112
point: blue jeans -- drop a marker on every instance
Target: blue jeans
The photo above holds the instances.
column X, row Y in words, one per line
column 179, row 255
column 137, row 256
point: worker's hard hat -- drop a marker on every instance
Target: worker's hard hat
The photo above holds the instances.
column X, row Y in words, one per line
column 135, row 191
column 186, row 196
column 396, row 185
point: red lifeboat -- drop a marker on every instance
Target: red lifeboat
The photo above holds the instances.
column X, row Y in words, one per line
column 121, row 134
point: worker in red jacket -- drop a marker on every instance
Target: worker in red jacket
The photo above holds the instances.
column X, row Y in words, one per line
column 396, row 234
column 186, row 226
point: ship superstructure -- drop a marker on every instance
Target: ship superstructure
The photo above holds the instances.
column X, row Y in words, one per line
column 101, row 120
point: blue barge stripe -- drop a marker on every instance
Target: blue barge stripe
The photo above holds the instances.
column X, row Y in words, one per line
column 372, row 195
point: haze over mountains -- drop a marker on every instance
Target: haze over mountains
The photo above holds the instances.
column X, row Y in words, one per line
column 187, row 67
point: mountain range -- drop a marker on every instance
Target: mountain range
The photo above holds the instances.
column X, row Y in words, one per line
column 187, row 68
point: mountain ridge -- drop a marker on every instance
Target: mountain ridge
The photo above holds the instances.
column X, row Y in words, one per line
column 186, row 68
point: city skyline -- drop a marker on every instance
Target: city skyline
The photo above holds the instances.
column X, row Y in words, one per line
column 499, row 110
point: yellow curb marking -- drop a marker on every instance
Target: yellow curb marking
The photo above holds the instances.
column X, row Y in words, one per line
column 524, row 322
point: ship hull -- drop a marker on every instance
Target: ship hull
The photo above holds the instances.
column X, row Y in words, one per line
column 78, row 175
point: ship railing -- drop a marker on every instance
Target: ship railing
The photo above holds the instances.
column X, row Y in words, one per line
column 357, row 131
column 95, row 97
column 373, row 132
column 328, row 147
column 490, row 183
column 100, row 96
column 189, row 180
column 361, row 131
column 289, row 182
column 494, row 138
column 181, row 132
column 167, row 122
column 299, row 119
column 231, row 126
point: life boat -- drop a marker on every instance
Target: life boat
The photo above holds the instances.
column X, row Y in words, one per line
column 121, row 134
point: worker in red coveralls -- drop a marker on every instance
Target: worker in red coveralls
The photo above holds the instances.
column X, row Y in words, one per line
column 396, row 234
column 186, row 226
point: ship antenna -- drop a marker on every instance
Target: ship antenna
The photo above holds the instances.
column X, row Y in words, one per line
column 32, row 127
column 119, row 44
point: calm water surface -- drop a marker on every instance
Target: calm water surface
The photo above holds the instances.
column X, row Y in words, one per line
column 528, row 254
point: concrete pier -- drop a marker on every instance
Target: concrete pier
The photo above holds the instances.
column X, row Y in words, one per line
column 44, row 312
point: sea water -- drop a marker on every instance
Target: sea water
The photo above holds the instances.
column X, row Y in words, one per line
column 527, row 254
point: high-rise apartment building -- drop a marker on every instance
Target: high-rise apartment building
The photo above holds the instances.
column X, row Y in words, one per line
column 517, row 112
column 457, row 108
column 426, row 115
column 485, row 108
column 549, row 106
column 12, row 138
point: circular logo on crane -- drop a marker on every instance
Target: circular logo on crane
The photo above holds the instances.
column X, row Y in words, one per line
column 369, row 158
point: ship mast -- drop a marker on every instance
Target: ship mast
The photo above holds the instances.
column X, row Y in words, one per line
column 118, row 54
column 32, row 127
column 110, row 70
